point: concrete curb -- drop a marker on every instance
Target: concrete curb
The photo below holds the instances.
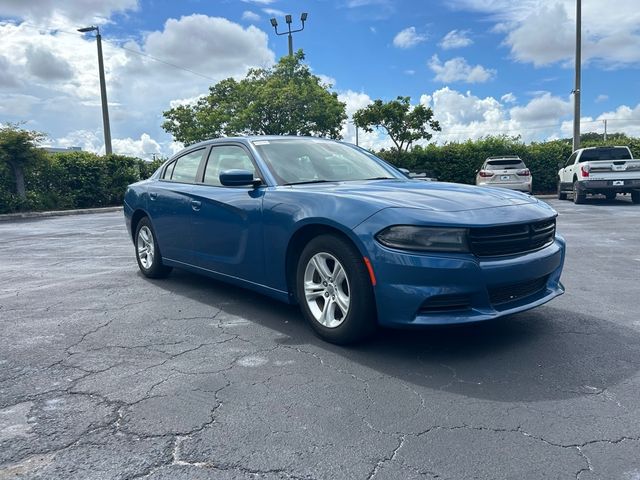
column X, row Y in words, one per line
column 56, row 213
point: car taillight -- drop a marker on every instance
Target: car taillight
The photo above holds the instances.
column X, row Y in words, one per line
column 584, row 170
column 485, row 173
column 524, row 172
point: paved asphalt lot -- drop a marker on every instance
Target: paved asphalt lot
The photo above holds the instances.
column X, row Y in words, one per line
column 105, row 374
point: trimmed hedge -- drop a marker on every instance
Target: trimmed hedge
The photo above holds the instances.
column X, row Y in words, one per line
column 458, row 162
column 60, row 181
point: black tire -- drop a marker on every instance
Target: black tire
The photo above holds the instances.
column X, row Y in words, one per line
column 561, row 195
column 579, row 196
column 153, row 268
column 635, row 196
column 360, row 320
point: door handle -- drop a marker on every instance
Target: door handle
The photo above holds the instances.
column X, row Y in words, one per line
column 195, row 205
column 153, row 195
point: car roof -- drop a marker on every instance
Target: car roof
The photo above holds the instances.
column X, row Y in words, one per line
column 252, row 138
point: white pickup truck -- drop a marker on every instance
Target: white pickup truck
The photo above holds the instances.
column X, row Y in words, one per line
column 604, row 170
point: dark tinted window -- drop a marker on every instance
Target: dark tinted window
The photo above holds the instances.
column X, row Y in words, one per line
column 504, row 164
column 611, row 153
column 187, row 167
column 226, row 157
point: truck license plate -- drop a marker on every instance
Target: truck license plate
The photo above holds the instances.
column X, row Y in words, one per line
column 618, row 183
column 505, row 177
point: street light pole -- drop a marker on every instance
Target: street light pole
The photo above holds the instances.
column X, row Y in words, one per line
column 287, row 19
column 576, row 90
column 103, row 90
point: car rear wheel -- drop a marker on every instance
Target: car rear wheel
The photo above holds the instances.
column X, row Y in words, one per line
column 147, row 251
column 635, row 196
column 578, row 195
column 561, row 195
column 334, row 290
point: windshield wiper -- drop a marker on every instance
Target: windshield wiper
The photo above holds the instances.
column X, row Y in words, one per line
column 381, row 178
column 310, row 181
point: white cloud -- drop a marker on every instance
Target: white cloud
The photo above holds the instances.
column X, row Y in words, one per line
column 542, row 32
column 601, row 98
column 456, row 39
column 508, row 98
column 326, row 79
column 250, row 16
column 458, row 70
column 408, row 38
column 65, row 12
column 623, row 119
column 463, row 116
column 45, row 74
column 274, row 12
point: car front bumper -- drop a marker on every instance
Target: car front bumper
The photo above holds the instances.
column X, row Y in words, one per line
column 438, row 289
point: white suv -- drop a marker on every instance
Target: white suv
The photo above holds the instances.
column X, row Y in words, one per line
column 507, row 171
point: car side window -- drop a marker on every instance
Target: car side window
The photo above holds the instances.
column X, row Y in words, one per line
column 572, row 159
column 168, row 171
column 226, row 157
column 186, row 167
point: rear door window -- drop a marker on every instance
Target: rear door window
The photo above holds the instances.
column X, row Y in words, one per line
column 186, row 167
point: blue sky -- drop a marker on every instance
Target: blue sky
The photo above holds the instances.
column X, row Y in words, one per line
column 484, row 66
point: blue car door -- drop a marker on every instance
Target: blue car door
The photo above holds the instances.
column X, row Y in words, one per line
column 170, row 206
column 227, row 226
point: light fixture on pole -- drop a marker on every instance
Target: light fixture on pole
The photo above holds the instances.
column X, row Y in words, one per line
column 288, row 20
column 103, row 89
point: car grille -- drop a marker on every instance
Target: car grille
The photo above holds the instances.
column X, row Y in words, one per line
column 511, row 293
column 446, row 303
column 512, row 239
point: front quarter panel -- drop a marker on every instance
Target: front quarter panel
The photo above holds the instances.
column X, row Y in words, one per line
column 287, row 210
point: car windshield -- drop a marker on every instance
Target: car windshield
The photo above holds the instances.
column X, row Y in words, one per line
column 504, row 164
column 296, row 161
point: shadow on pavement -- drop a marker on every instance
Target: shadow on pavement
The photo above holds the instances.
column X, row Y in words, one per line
column 544, row 354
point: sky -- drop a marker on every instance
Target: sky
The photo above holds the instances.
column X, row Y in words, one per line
column 483, row 66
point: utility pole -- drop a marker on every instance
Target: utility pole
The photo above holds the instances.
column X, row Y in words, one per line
column 103, row 90
column 576, row 90
column 605, row 129
column 287, row 19
column 356, row 134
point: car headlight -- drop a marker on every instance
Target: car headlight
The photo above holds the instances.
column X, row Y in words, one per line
column 427, row 239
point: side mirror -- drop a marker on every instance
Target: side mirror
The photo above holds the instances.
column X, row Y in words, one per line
column 236, row 178
column 405, row 171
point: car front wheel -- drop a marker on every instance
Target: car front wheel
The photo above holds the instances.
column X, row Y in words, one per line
column 147, row 251
column 334, row 290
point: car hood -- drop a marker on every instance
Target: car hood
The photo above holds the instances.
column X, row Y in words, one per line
column 434, row 196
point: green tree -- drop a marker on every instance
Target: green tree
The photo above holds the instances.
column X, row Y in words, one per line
column 403, row 124
column 18, row 150
column 286, row 99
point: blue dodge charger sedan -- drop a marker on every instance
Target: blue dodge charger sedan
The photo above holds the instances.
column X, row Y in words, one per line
column 348, row 237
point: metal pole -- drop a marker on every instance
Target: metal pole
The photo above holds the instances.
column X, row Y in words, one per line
column 356, row 135
column 103, row 95
column 290, row 44
column 576, row 91
column 605, row 129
